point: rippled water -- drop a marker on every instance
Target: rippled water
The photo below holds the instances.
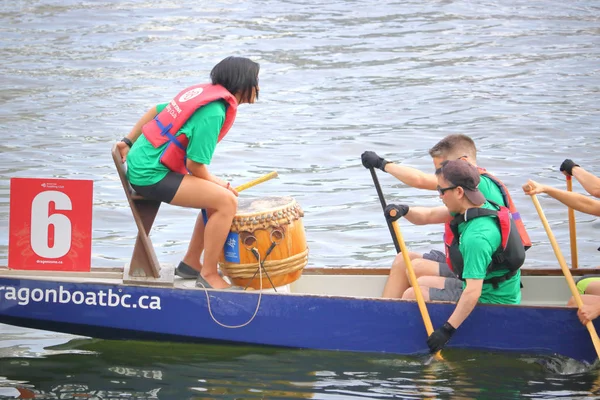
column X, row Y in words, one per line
column 337, row 78
column 96, row 369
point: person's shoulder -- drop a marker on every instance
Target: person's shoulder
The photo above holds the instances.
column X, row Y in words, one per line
column 484, row 228
column 490, row 190
column 212, row 110
column 488, row 181
column 215, row 107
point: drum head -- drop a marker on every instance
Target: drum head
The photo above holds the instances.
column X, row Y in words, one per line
column 247, row 207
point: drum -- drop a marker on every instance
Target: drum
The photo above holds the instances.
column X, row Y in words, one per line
column 268, row 229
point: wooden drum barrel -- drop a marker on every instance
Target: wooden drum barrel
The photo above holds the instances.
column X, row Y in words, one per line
column 272, row 229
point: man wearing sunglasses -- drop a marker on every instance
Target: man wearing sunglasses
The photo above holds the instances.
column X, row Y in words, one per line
column 482, row 251
column 431, row 268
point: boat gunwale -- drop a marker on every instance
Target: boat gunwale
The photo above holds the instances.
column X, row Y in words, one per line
column 316, row 271
column 306, row 271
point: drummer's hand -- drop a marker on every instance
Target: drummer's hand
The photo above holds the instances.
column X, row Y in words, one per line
column 231, row 189
column 532, row 187
column 588, row 313
column 123, row 150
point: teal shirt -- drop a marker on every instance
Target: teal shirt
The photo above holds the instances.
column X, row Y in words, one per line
column 202, row 129
column 479, row 240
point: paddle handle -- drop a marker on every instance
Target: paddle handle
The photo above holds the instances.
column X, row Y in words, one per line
column 566, row 272
column 383, row 205
column 415, row 284
column 264, row 178
column 572, row 228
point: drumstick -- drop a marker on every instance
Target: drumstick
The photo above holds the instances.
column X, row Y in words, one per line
column 255, row 182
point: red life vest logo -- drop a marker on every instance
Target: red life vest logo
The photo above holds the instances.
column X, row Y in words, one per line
column 190, row 95
column 50, row 224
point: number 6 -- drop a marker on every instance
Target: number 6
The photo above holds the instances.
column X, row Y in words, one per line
column 41, row 220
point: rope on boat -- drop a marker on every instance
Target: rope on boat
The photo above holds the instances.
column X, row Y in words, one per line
column 273, row 267
column 255, row 311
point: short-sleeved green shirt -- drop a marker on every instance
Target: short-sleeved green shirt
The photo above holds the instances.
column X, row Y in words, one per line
column 490, row 190
column 479, row 240
column 202, row 129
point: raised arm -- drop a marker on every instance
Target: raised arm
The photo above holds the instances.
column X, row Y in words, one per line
column 574, row 200
column 590, row 182
column 421, row 215
column 408, row 175
column 428, row 215
column 412, row 176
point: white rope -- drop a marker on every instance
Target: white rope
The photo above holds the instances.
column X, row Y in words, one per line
column 257, row 304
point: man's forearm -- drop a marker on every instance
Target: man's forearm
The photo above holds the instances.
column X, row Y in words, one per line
column 412, row 176
column 574, row 200
column 590, row 182
column 466, row 304
column 427, row 215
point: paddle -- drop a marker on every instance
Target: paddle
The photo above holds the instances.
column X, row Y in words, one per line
column 572, row 230
column 264, row 178
column 565, row 269
column 413, row 278
column 383, row 205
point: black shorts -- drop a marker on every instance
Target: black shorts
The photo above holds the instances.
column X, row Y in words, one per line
column 164, row 190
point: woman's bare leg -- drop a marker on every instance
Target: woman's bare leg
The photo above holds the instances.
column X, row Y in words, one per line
column 199, row 193
column 196, row 245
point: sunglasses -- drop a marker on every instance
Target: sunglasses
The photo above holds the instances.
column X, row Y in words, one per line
column 442, row 190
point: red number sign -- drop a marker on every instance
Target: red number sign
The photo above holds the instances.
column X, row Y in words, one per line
column 50, row 224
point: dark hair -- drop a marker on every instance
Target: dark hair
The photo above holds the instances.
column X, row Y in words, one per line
column 237, row 75
column 456, row 146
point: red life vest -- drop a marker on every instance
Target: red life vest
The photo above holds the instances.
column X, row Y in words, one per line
column 166, row 124
column 516, row 216
column 510, row 255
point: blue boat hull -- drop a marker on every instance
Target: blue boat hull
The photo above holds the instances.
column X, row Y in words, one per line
column 286, row 320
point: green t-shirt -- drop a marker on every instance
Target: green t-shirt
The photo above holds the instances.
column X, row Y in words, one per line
column 479, row 240
column 202, row 129
column 490, row 190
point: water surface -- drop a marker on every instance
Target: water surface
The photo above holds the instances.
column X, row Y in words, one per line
column 337, row 78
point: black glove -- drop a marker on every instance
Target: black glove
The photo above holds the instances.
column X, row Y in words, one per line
column 401, row 211
column 438, row 338
column 567, row 166
column 370, row 159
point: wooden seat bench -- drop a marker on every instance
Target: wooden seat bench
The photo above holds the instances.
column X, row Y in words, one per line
column 144, row 265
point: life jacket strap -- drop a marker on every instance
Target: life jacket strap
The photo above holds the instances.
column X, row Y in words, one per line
column 164, row 131
column 496, row 281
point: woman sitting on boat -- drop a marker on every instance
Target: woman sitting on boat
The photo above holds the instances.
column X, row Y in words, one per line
column 589, row 286
column 171, row 147
column 475, row 258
